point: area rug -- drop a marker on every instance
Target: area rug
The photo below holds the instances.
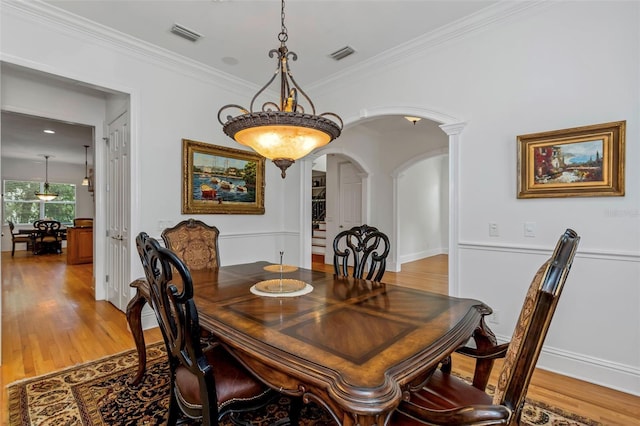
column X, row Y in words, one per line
column 98, row 393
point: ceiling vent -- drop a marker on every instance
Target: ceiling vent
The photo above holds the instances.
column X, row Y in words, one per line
column 185, row 32
column 342, row 53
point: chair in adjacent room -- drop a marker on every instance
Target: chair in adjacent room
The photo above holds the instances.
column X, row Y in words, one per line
column 206, row 383
column 448, row 400
column 17, row 238
column 49, row 237
column 362, row 248
column 195, row 243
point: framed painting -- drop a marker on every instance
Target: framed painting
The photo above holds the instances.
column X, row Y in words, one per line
column 220, row 180
column 579, row 162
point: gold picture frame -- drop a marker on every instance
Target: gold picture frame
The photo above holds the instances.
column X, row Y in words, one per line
column 578, row 162
column 221, row 180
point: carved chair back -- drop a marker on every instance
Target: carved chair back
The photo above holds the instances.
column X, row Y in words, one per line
column 49, row 230
column 194, row 369
column 363, row 248
column 467, row 404
column 195, row 242
column 533, row 324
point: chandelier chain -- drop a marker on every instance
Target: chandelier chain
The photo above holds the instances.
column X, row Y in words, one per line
column 281, row 131
column 283, row 36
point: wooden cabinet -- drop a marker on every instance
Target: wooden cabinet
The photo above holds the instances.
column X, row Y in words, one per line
column 79, row 245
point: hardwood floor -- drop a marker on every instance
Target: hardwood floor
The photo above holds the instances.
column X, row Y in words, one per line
column 50, row 321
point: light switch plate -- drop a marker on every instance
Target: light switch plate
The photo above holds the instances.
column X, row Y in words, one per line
column 529, row 229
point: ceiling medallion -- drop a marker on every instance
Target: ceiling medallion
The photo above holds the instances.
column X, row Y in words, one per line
column 281, row 132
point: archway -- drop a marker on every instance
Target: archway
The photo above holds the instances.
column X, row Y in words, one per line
column 450, row 125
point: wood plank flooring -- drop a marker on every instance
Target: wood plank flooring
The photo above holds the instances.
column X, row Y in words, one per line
column 50, row 321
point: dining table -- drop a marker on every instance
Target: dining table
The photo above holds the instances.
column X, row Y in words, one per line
column 355, row 347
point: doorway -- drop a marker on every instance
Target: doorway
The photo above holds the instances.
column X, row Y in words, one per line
column 383, row 147
column 87, row 105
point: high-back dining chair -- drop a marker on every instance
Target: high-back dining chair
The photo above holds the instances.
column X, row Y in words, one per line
column 361, row 247
column 17, row 238
column 206, row 383
column 448, row 400
column 49, row 238
column 195, row 242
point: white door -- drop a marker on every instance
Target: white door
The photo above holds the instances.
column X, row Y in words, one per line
column 118, row 208
column 350, row 187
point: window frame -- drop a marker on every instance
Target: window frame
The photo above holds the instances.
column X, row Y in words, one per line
column 41, row 203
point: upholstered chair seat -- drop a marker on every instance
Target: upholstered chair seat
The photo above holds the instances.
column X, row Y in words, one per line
column 207, row 382
column 447, row 400
column 233, row 383
column 17, row 238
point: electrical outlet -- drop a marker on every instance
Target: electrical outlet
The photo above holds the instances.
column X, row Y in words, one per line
column 493, row 229
column 494, row 318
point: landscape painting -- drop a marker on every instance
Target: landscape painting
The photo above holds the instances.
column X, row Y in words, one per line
column 221, row 180
column 570, row 162
column 582, row 161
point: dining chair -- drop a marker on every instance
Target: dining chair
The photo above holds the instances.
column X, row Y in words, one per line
column 207, row 383
column 362, row 248
column 48, row 239
column 195, row 243
column 17, row 238
column 448, row 400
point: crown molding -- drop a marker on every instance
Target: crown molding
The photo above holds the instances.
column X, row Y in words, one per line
column 466, row 27
column 79, row 27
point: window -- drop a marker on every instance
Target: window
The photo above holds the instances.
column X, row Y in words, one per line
column 21, row 206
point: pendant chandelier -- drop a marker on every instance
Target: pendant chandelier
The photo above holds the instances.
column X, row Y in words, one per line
column 281, row 131
column 46, row 195
column 85, row 181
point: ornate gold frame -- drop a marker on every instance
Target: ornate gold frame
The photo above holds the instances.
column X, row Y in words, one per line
column 215, row 199
column 548, row 164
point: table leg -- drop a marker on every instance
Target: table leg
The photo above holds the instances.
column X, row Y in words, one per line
column 134, row 318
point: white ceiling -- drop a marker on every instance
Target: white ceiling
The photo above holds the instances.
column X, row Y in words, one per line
column 237, row 36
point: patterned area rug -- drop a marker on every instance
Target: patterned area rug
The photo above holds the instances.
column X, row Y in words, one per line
column 97, row 393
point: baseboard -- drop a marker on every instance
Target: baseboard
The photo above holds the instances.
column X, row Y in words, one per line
column 148, row 318
column 600, row 372
column 406, row 258
column 589, row 369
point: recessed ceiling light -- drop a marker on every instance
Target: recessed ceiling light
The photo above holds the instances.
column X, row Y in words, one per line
column 49, row 131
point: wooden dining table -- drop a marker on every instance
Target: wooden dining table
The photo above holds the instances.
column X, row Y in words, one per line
column 355, row 347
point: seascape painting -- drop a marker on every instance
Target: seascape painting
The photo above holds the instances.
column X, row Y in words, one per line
column 221, row 180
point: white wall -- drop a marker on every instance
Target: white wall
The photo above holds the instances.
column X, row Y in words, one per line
column 556, row 66
column 559, row 65
column 424, row 209
column 171, row 100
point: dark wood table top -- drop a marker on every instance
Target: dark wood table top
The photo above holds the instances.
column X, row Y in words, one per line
column 352, row 345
